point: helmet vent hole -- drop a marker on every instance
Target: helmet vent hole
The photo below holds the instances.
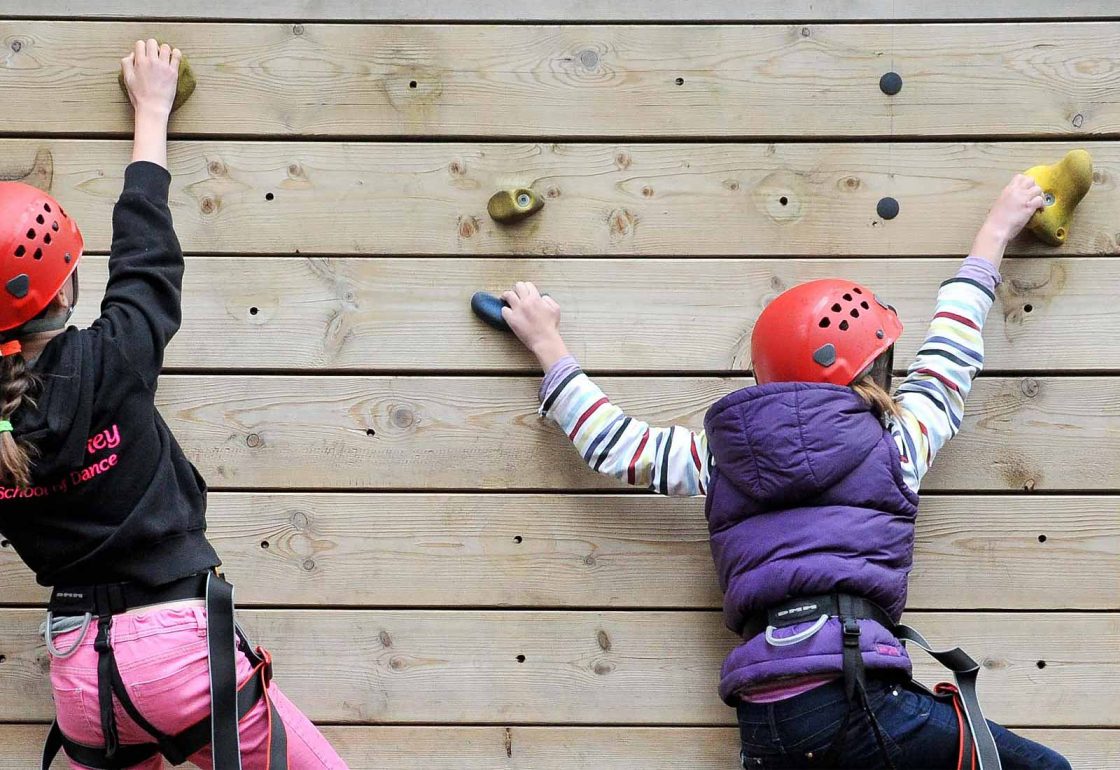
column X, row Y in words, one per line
column 47, row 207
column 864, row 305
column 836, row 308
column 854, row 313
column 47, row 238
column 825, row 323
column 40, row 220
column 843, row 326
column 857, row 290
column 38, row 254
column 847, row 297
column 54, row 226
column 30, row 233
column 20, row 250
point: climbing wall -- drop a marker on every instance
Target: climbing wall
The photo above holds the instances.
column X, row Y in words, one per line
column 443, row 583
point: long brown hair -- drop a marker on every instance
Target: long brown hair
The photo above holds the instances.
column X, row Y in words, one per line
column 876, row 396
column 17, row 387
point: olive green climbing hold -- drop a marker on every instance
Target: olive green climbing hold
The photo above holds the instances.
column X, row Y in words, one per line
column 1063, row 185
column 183, row 90
column 512, row 205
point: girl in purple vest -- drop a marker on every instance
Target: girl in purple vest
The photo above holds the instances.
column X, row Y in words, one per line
column 99, row 500
column 812, row 479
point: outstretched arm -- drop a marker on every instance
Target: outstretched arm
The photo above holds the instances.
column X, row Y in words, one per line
column 141, row 308
column 939, row 380
column 671, row 461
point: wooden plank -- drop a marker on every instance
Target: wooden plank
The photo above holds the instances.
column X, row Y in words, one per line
column 482, row 433
column 651, row 199
column 597, row 667
column 589, row 81
column 384, row 314
column 618, row 551
column 575, row 10
column 573, row 748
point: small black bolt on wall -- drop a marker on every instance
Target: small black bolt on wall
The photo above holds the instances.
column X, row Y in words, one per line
column 890, row 83
column 887, row 208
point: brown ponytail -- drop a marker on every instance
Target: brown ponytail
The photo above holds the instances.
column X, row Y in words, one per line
column 17, row 387
column 876, row 396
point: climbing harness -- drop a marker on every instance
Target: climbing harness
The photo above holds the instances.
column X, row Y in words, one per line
column 977, row 746
column 75, row 607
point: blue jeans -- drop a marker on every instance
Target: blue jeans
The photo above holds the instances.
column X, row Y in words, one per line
column 920, row 732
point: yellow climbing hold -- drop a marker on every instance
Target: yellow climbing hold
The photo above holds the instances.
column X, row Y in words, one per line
column 1063, row 185
column 512, row 205
column 183, row 90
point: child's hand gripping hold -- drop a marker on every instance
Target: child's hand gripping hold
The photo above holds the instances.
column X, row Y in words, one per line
column 151, row 74
column 535, row 319
column 1008, row 216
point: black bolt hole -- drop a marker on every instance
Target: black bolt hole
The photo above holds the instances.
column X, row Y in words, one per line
column 371, row 432
column 517, row 539
column 254, row 310
column 1041, row 664
column 265, row 544
column 1042, row 538
column 679, row 81
column 783, row 200
column 1028, row 308
column 520, row 658
column 269, row 196
column 5, row 543
column 3, row 658
column 412, row 84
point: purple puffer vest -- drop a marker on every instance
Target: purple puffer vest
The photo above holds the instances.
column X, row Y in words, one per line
column 806, row 497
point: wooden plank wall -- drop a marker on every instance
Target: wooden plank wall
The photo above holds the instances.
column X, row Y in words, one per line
column 443, row 582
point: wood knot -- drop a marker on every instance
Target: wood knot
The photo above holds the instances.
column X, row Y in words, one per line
column 1029, row 387
column 805, row 32
column 604, row 640
column 622, row 159
column 216, row 168
column 253, row 440
column 468, row 226
column 455, row 168
column 397, row 663
column 647, row 191
column 297, row 29
column 295, row 170
column 385, row 639
column 308, row 565
column 622, row 223
column 602, row 667
column 852, row 182
column 403, row 417
column 589, row 560
column 17, row 46
column 299, row 520
column 731, row 184
column 208, row 205
column 1028, row 485
column 552, row 192
column 1078, row 120
column 589, row 58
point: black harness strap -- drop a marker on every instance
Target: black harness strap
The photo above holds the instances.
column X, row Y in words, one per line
column 849, row 609
column 229, row 704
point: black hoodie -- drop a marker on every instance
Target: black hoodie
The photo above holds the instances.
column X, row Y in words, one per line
column 113, row 498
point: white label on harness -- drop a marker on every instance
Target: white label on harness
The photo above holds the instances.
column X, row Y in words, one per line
column 797, row 610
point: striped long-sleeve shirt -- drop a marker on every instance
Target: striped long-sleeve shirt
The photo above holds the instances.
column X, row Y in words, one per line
column 676, row 461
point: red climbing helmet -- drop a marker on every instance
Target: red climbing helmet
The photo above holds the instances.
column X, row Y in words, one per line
column 39, row 250
column 829, row 330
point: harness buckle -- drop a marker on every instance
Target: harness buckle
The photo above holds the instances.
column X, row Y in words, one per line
column 101, row 642
column 850, row 630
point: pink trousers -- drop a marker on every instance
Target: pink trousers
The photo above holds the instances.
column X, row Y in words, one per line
column 162, row 659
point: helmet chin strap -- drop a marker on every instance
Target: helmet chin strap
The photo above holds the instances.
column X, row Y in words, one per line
column 53, row 321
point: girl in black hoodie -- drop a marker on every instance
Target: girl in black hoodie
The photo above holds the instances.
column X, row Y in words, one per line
column 98, row 499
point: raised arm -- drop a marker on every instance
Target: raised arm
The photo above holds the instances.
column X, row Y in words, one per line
column 671, row 461
column 141, row 309
column 939, row 380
